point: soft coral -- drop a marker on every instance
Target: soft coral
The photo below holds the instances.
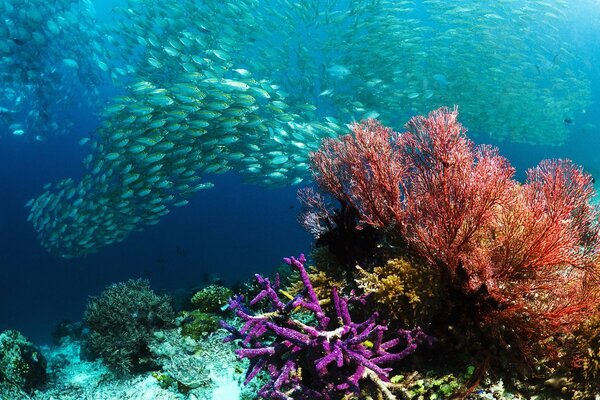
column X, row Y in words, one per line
column 520, row 261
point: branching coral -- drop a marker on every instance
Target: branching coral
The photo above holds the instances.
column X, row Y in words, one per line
column 407, row 290
column 324, row 275
column 122, row 320
column 519, row 262
column 327, row 360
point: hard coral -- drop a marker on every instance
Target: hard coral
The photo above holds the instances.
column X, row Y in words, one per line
column 588, row 346
column 122, row 320
column 181, row 367
column 324, row 275
column 406, row 289
column 334, row 358
column 196, row 324
column 211, row 298
column 21, row 363
column 520, row 262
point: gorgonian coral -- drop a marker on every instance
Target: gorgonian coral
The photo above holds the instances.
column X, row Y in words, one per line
column 332, row 358
column 519, row 262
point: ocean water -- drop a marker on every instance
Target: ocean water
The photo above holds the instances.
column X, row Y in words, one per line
column 239, row 228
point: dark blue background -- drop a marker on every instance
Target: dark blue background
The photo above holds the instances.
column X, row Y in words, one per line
column 233, row 230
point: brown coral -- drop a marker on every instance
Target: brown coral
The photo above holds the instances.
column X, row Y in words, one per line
column 589, row 349
column 406, row 289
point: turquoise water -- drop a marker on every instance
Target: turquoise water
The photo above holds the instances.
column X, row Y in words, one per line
column 167, row 140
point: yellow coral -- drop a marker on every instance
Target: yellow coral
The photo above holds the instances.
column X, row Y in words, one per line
column 323, row 276
column 589, row 339
column 406, row 288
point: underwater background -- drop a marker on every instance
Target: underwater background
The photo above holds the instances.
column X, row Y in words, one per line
column 248, row 221
column 235, row 231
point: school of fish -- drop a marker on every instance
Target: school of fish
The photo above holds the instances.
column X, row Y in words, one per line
column 48, row 65
column 254, row 86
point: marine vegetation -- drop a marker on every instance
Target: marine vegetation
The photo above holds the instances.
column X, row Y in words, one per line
column 22, row 365
column 214, row 86
column 518, row 261
column 332, row 358
column 122, row 321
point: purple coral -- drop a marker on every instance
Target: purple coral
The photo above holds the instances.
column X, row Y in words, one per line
column 325, row 361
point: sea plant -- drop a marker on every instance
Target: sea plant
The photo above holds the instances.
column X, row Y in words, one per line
column 333, row 358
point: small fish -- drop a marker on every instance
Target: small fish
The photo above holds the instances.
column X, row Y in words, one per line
column 69, row 62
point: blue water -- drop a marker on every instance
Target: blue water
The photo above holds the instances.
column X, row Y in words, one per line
column 231, row 231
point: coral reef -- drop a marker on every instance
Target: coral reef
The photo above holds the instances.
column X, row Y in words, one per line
column 22, row 365
column 405, row 290
column 208, row 367
column 430, row 386
column 67, row 330
column 588, row 347
column 180, row 367
column 519, row 262
column 331, row 359
column 324, row 275
column 209, row 305
column 196, row 324
column 211, row 299
column 122, row 321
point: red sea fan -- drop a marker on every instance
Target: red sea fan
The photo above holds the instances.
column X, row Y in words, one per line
column 522, row 258
column 364, row 170
column 544, row 259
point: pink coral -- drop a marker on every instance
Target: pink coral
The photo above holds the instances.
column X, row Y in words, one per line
column 371, row 154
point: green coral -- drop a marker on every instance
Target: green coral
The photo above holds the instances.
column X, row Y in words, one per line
column 196, row 324
column 430, row 386
column 211, row 299
column 164, row 381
